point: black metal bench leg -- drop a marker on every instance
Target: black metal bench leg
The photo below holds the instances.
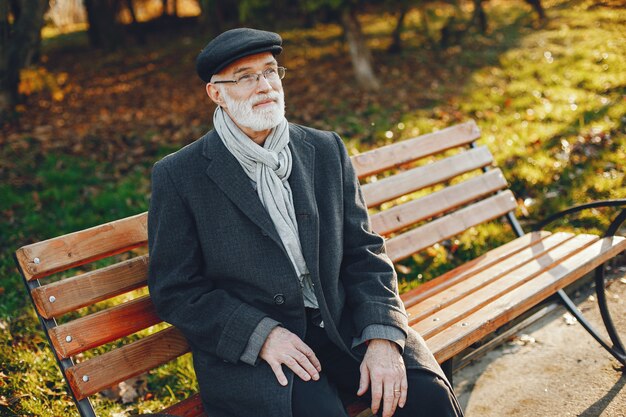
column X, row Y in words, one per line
column 617, row 347
column 448, row 368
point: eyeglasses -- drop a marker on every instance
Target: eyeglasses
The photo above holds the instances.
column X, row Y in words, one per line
column 249, row 81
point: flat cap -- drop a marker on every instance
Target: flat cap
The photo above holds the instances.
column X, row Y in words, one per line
column 232, row 45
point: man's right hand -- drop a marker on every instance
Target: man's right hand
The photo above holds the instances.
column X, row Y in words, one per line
column 285, row 348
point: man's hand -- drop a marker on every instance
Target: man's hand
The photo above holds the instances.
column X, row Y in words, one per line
column 383, row 369
column 285, row 348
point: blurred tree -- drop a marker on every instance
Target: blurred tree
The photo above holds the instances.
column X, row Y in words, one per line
column 396, row 35
column 219, row 14
column 536, row 4
column 479, row 17
column 360, row 54
column 345, row 11
column 20, row 37
column 455, row 28
column 131, row 11
column 166, row 10
column 103, row 30
column 424, row 27
column 249, row 8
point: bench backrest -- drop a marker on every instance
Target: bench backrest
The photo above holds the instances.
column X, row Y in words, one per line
column 392, row 175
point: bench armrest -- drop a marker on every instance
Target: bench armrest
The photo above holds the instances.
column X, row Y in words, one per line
column 621, row 217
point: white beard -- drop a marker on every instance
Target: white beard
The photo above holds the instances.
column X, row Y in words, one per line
column 243, row 113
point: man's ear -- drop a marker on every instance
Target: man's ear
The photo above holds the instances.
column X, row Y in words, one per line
column 214, row 94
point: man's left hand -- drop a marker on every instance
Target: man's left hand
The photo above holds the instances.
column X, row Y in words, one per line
column 383, row 370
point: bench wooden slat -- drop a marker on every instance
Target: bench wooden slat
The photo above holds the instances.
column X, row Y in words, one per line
column 189, row 407
column 377, row 160
column 421, row 177
column 473, row 282
column 408, row 243
column 94, row 375
column 86, row 289
column 487, row 290
column 442, row 201
column 457, row 337
column 64, row 252
column 428, row 289
column 104, row 326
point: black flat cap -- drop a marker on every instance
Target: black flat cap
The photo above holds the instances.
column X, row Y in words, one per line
column 232, row 45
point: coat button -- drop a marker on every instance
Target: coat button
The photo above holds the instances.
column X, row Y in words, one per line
column 279, row 299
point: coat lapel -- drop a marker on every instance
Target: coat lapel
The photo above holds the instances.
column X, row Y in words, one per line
column 225, row 171
column 302, row 182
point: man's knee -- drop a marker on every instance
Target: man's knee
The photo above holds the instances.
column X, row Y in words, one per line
column 315, row 399
column 429, row 396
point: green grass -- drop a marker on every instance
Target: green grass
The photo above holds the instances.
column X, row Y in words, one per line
column 551, row 102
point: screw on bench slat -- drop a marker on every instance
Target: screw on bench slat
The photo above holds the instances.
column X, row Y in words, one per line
column 85, row 378
column 464, row 324
column 37, row 261
column 52, row 299
column 436, row 319
column 68, row 338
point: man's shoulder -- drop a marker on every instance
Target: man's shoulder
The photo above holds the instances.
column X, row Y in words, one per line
column 310, row 131
column 318, row 138
column 186, row 155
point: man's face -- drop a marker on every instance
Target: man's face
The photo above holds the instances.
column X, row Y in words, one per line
column 259, row 106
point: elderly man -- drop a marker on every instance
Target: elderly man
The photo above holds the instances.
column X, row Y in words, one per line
column 261, row 253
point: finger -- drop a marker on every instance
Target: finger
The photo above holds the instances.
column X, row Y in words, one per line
column 293, row 364
column 404, row 387
column 388, row 397
column 304, row 348
column 305, row 363
column 377, row 391
column 396, row 398
column 365, row 380
column 278, row 371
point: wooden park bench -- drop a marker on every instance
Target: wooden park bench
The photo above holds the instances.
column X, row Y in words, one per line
column 451, row 312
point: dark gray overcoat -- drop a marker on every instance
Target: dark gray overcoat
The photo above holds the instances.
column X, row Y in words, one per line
column 218, row 267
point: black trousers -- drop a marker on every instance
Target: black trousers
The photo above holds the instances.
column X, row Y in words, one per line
column 428, row 395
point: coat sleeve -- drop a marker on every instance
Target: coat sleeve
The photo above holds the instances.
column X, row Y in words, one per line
column 367, row 273
column 210, row 318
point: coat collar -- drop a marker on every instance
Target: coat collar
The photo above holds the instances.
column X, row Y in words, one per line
column 225, row 171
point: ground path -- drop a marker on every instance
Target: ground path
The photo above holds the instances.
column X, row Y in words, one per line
column 555, row 369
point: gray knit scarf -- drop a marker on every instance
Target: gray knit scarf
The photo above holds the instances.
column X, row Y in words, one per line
column 269, row 168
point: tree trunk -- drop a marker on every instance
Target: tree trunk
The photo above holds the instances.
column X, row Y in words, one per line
column 15, row 8
column 164, row 11
column 213, row 16
column 8, row 94
column 19, row 46
column 538, row 8
column 359, row 52
column 103, row 30
column 480, row 17
column 396, row 40
column 131, row 10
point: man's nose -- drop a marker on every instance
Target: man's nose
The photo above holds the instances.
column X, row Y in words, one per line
column 263, row 84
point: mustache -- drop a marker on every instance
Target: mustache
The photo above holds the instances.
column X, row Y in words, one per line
column 272, row 95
